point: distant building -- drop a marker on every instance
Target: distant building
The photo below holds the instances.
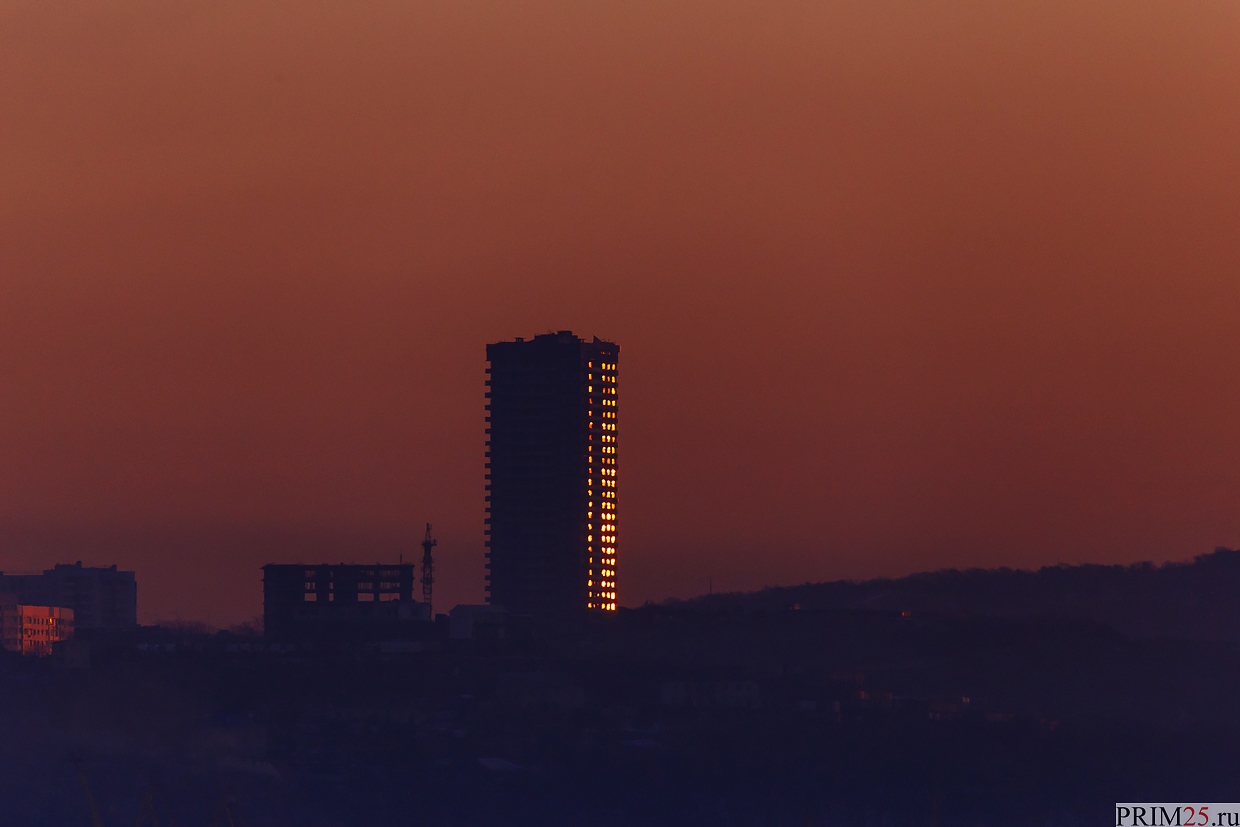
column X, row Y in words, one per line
column 31, row 630
column 101, row 598
column 470, row 622
column 717, row 694
column 539, row 691
column 552, row 410
column 341, row 601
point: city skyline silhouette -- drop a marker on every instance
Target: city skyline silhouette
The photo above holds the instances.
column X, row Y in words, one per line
column 901, row 287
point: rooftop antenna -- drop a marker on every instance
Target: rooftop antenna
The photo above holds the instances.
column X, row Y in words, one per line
column 428, row 567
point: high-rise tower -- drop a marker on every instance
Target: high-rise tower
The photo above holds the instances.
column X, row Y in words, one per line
column 551, row 474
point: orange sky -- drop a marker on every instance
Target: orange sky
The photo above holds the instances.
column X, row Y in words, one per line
column 899, row 285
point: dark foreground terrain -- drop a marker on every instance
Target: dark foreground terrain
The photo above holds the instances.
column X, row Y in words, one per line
column 665, row 715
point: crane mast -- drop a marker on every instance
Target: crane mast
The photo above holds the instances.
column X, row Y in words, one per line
column 428, row 567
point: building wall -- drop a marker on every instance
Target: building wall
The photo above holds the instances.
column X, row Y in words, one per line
column 31, row 630
column 301, row 600
column 101, row 598
column 551, row 456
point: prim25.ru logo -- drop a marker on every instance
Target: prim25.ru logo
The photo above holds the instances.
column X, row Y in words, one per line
column 1177, row 815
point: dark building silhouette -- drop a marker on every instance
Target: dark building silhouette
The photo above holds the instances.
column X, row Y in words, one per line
column 101, row 598
column 551, row 474
column 345, row 601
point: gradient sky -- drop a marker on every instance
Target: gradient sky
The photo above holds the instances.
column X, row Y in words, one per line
column 899, row 284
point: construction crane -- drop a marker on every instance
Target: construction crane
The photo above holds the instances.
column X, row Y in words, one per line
column 428, row 568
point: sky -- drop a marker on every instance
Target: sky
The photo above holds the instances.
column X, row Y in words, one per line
column 899, row 284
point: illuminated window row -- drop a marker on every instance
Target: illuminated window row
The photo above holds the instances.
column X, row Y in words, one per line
column 602, row 584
